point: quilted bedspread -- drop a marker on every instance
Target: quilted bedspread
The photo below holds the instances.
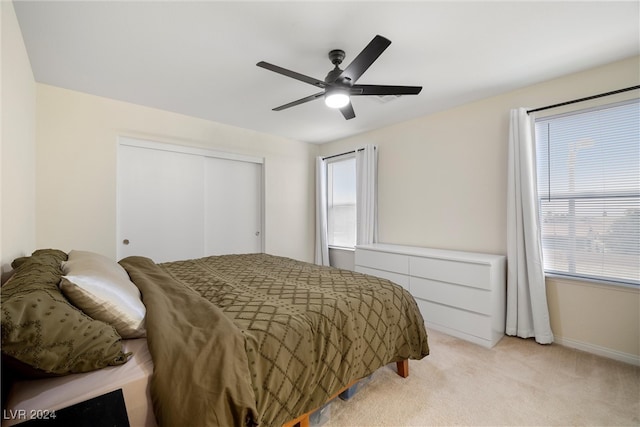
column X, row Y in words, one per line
column 260, row 340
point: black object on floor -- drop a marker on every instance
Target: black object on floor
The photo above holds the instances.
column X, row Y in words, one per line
column 108, row 410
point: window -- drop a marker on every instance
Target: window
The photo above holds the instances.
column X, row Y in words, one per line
column 341, row 201
column 589, row 193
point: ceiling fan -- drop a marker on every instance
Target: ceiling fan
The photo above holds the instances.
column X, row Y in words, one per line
column 340, row 85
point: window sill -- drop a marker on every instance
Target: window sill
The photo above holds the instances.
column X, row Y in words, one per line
column 589, row 281
column 342, row 248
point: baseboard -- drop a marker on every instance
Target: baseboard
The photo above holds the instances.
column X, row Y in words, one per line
column 632, row 359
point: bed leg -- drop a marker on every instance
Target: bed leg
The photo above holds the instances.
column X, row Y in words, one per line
column 403, row 368
column 304, row 422
column 301, row 421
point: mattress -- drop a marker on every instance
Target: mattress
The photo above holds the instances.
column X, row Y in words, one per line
column 29, row 398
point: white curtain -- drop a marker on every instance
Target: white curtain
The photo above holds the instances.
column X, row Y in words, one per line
column 527, row 309
column 366, row 195
column 322, row 246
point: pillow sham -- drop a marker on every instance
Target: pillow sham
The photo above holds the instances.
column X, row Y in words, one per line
column 43, row 331
column 101, row 288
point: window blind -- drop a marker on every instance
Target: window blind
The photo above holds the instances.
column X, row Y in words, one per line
column 588, row 167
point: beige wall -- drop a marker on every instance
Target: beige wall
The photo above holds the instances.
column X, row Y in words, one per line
column 17, row 165
column 442, row 183
column 597, row 318
column 77, row 138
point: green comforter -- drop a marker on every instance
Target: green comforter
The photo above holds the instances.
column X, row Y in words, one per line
column 258, row 339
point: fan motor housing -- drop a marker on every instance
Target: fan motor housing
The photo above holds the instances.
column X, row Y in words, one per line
column 336, row 56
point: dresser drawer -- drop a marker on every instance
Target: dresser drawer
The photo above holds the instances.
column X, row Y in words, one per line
column 467, row 298
column 400, row 279
column 396, row 263
column 463, row 321
column 464, row 273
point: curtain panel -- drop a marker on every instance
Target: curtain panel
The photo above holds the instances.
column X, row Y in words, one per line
column 527, row 308
column 366, row 195
column 322, row 241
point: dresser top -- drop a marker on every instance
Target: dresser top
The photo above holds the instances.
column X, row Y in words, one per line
column 434, row 253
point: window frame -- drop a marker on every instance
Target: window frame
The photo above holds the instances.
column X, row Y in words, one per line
column 604, row 280
column 328, row 161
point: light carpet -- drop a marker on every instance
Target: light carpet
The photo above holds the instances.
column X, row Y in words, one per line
column 516, row 383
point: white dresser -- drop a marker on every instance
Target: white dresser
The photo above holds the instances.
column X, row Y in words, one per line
column 459, row 293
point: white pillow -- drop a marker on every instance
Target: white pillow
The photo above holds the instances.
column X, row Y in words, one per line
column 101, row 288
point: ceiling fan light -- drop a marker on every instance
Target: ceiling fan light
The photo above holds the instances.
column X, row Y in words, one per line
column 336, row 99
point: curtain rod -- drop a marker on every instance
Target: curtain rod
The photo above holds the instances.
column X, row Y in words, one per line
column 613, row 92
column 346, row 152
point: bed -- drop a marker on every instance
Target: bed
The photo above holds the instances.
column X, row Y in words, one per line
column 258, row 339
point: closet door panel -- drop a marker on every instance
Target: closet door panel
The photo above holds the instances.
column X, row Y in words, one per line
column 233, row 207
column 160, row 200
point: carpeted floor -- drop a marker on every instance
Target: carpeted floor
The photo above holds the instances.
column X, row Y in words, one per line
column 516, row 383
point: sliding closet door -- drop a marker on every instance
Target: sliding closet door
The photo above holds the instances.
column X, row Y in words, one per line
column 160, row 199
column 179, row 202
column 233, row 205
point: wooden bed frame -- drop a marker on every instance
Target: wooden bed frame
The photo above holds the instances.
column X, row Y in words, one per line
column 303, row 420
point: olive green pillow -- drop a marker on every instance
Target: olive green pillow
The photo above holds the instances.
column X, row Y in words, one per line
column 41, row 329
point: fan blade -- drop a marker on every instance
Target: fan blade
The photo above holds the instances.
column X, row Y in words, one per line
column 347, row 111
column 364, row 60
column 299, row 101
column 292, row 74
column 385, row 90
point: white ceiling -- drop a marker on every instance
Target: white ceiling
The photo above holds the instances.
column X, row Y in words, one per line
column 198, row 58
